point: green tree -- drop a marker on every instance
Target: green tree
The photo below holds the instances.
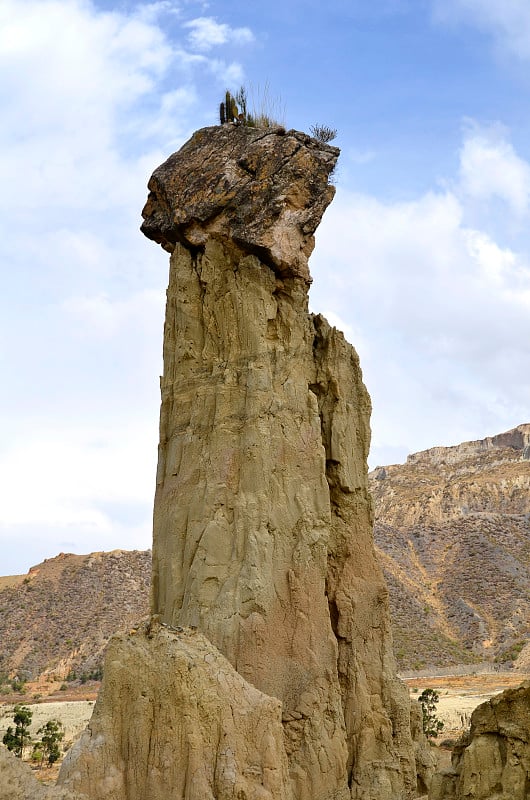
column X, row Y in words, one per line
column 47, row 748
column 16, row 738
column 432, row 726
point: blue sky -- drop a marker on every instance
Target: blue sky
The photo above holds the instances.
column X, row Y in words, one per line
column 423, row 259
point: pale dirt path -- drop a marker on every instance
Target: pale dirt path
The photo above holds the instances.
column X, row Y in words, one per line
column 460, row 695
column 73, row 714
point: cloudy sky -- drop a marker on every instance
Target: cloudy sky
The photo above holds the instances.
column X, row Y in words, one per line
column 423, row 259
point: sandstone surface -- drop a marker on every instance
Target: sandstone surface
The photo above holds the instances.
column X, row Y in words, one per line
column 263, row 520
column 492, row 761
column 196, row 729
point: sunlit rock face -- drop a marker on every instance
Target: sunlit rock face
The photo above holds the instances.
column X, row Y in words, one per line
column 262, row 521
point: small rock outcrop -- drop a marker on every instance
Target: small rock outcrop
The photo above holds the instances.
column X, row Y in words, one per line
column 17, row 782
column 196, row 729
column 262, row 536
column 492, row 761
column 258, row 192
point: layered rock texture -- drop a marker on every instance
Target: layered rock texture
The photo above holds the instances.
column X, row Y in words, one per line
column 453, row 535
column 492, row 761
column 267, row 670
column 184, row 724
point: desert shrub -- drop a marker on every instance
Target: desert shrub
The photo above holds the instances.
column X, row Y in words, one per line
column 261, row 110
column 323, row 133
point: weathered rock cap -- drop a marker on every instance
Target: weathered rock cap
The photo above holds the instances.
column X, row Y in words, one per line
column 263, row 191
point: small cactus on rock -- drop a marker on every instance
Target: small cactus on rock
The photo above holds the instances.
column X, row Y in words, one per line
column 228, row 111
column 235, row 109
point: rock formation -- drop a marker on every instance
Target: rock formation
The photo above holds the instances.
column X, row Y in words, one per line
column 452, row 529
column 195, row 728
column 262, row 545
column 17, row 782
column 492, row 761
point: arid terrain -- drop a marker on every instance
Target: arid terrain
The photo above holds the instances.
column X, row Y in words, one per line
column 452, row 533
column 453, row 536
column 56, row 621
column 459, row 696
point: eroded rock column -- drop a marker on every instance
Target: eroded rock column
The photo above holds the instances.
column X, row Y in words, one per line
column 262, row 544
column 262, row 534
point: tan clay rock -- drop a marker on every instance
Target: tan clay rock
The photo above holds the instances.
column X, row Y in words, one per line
column 17, row 782
column 263, row 520
column 426, row 760
column 175, row 720
column 263, row 526
column 492, row 762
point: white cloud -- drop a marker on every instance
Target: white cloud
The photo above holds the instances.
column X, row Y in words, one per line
column 76, row 489
column 92, row 101
column 443, row 308
column 496, row 265
column 64, row 101
column 151, row 12
column 489, row 167
column 508, row 21
column 207, row 33
column 104, row 318
column 61, row 478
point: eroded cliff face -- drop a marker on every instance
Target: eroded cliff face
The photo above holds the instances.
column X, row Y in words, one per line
column 263, row 522
column 490, row 475
column 195, row 729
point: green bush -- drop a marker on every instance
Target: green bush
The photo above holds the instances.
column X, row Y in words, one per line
column 15, row 739
column 432, row 726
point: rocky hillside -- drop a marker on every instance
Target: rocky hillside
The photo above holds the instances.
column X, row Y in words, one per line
column 59, row 617
column 453, row 535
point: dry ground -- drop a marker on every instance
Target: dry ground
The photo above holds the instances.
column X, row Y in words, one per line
column 460, row 695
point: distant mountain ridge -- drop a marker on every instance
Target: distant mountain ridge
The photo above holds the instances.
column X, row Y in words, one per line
column 453, row 535
column 59, row 617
